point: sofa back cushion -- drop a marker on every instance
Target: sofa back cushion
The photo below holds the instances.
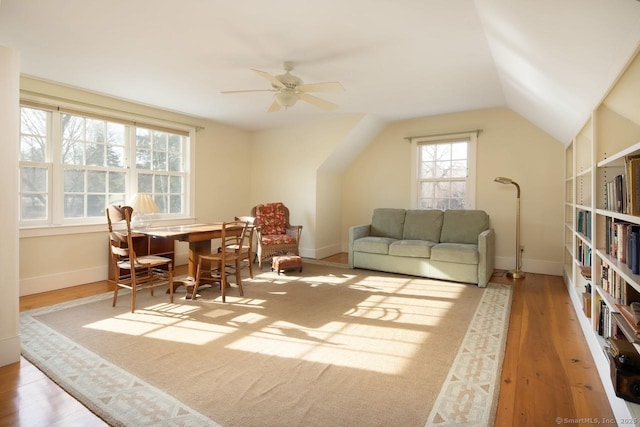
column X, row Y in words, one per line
column 387, row 222
column 463, row 226
column 421, row 224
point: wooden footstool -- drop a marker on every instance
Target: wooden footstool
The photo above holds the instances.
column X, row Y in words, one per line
column 286, row 263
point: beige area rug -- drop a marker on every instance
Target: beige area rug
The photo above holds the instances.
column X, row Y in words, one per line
column 325, row 347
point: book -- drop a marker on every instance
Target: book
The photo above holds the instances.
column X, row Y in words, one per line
column 634, row 239
column 633, row 184
column 630, row 319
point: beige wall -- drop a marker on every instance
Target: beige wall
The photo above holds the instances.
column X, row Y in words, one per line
column 285, row 164
column 508, row 146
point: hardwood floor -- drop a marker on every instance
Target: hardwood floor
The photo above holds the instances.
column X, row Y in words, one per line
column 547, row 372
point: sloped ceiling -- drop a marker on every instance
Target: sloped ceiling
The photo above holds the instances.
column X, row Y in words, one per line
column 550, row 61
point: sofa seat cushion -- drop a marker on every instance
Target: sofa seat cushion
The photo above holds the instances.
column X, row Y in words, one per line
column 411, row 248
column 373, row 245
column 277, row 239
column 460, row 253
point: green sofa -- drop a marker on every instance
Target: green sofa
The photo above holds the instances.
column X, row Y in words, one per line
column 456, row 245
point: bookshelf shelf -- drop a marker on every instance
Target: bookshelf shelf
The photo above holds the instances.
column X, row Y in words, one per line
column 598, row 224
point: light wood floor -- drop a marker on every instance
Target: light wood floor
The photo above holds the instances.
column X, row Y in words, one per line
column 547, row 372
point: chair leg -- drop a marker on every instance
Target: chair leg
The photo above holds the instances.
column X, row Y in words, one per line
column 170, row 284
column 134, row 291
column 197, row 282
column 223, row 281
column 239, row 277
column 150, row 274
column 250, row 265
column 115, row 295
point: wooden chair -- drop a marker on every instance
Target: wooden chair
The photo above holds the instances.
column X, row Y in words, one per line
column 247, row 252
column 214, row 267
column 274, row 233
column 131, row 271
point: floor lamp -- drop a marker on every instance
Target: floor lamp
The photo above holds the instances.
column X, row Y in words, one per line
column 517, row 273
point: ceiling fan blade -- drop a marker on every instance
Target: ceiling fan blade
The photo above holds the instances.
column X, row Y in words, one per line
column 249, row 90
column 321, row 87
column 318, row 102
column 275, row 107
column 275, row 82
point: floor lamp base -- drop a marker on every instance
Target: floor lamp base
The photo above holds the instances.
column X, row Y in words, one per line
column 516, row 274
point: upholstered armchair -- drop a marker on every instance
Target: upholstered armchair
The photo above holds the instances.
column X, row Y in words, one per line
column 274, row 233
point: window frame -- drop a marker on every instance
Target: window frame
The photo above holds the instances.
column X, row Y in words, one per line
column 470, row 181
column 55, row 224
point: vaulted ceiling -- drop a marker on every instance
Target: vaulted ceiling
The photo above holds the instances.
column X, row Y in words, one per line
column 550, row 61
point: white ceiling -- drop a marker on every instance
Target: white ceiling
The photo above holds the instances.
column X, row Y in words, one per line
column 551, row 61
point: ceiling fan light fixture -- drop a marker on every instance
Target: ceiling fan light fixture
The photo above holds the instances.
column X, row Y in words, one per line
column 286, row 97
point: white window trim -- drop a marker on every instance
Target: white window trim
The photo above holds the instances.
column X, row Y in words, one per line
column 40, row 229
column 470, row 200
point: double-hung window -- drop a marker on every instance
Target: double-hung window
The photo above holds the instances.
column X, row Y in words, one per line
column 444, row 171
column 74, row 164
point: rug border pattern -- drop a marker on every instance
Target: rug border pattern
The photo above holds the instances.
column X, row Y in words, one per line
column 83, row 374
column 469, row 395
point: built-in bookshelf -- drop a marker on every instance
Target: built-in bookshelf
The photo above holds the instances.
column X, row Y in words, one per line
column 602, row 225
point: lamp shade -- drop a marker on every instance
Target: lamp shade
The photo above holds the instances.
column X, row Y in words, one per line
column 144, row 204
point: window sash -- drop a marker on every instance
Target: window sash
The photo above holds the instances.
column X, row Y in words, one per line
column 84, row 203
column 456, row 161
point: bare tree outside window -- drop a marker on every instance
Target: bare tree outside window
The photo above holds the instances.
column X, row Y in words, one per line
column 442, row 175
column 86, row 166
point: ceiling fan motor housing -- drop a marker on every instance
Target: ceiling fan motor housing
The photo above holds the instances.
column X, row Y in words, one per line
column 289, row 80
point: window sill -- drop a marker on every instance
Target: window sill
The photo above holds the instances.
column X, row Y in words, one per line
column 59, row 230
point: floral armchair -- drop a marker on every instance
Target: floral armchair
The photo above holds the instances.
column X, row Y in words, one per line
column 274, row 233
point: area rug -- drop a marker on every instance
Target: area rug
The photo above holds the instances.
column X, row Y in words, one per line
column 327, row 346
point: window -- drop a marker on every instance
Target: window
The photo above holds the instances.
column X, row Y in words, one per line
column 444, row 172
column 72, row 166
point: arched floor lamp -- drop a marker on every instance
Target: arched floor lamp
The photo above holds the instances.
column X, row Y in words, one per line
column 517, row 273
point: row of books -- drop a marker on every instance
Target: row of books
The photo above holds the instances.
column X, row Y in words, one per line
column 623, row 243
column 622, row 193
column 583, row 253
column 615, row 285
column 583, row 223
column 607, row 326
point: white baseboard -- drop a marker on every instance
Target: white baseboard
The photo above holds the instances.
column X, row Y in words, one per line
column 36, row 285
column 52, row 282
column 320, row 253
column 530, row 266
column 9, row 350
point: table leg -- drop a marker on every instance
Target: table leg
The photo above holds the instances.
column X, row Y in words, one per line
column 195, row 250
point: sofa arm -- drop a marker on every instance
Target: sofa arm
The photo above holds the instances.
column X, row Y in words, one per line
column 486, row 250
column 355, row 233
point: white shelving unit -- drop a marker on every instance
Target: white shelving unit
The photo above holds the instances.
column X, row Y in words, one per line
column 594, row 157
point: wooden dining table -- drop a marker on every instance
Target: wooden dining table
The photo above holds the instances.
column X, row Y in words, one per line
column 199, row 237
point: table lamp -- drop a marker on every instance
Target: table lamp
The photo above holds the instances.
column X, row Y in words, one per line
column 517, row 273
column 143, row 209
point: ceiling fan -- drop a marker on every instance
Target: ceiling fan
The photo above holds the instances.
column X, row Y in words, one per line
column 288, row 89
